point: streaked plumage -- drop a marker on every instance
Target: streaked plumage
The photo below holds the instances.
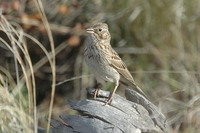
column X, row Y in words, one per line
column 104, row 62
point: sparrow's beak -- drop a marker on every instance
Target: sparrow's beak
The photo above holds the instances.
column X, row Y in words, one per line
column 90, row 30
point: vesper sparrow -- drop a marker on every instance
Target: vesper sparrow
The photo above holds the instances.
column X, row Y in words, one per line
column 104, row 62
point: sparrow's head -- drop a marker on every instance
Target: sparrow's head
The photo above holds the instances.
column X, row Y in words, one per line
column 99, row 32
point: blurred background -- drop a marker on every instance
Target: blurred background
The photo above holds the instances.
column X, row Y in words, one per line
column 159, row 41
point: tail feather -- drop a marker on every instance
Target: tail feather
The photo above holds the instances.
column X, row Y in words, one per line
column 137, row 88
column 132, row 84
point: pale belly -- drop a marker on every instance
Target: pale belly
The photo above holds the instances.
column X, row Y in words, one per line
column 102, row 71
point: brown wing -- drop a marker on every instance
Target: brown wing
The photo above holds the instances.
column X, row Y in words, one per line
column 118, row 64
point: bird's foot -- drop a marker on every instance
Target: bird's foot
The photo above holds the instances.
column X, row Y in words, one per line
column 96, row 93
column 109, row 100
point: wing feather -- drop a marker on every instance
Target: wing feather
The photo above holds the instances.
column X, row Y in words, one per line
column 118, row 64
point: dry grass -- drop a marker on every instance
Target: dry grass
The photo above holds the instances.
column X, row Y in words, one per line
column 18, row 115
column 158, row 40
column 14, row 114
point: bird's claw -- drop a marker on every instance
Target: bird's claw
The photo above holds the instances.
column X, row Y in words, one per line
column 109, row 100
column 96, row 93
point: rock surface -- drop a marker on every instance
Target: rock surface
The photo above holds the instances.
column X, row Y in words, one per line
column 135, row 115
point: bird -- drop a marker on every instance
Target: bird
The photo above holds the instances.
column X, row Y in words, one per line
column 104, row 62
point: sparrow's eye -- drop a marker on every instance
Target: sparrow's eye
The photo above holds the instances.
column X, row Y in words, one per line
column 100, row 29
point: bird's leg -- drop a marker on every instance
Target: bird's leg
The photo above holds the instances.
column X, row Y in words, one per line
column 109, row 100
column 96, row 92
